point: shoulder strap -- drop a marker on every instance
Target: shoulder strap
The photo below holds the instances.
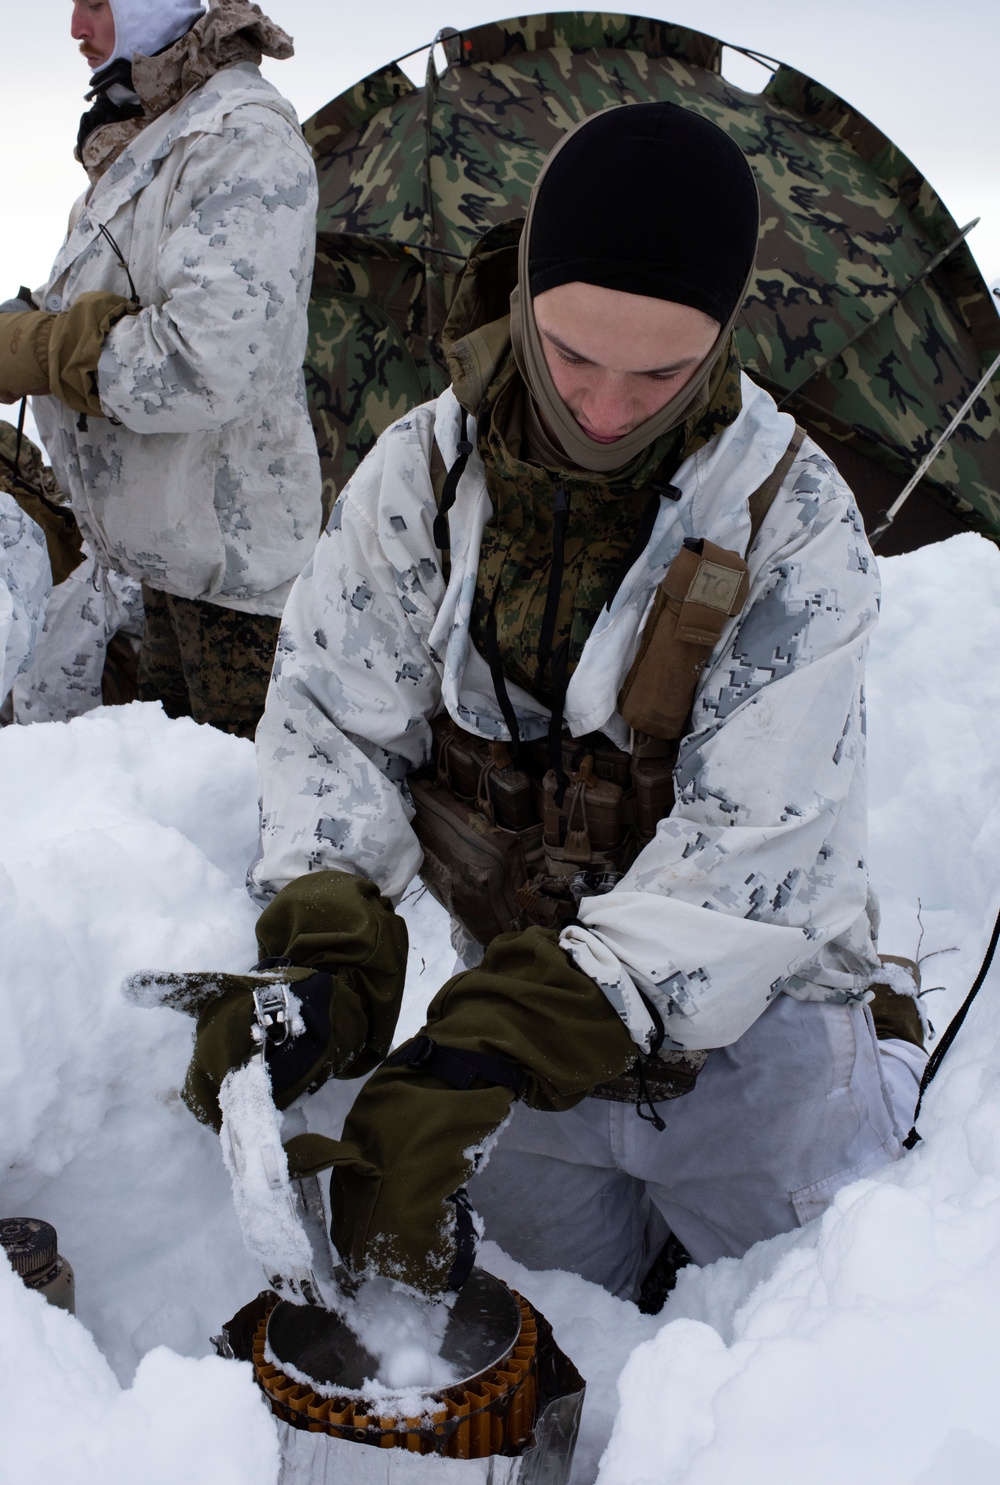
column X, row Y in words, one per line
column 763, row 498
column 439, row 473
column 445, row 484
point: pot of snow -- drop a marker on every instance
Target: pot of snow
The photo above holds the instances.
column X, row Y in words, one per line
column 475, row 1390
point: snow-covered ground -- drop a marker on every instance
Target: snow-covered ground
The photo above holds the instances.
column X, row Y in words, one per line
column 860, row 1348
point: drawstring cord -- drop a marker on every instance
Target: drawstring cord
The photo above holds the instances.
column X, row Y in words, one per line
column 652, row 1117
column 121, row 258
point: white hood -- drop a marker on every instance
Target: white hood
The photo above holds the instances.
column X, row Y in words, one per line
column 147, row 26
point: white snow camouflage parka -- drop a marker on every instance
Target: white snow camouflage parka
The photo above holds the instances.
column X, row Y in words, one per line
column 756, row 883
column 25, row 582
column 204, row 479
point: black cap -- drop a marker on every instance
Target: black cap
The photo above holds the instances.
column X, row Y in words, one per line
column 649, row 199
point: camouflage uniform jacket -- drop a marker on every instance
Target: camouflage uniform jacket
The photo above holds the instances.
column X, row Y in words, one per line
column 203, row 480
column 25, row 580
column 756, row 883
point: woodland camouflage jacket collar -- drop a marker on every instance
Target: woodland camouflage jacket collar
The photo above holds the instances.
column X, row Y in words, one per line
column 232, row 31
column 478, row 348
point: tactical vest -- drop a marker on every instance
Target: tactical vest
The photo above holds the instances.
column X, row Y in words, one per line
column 507, row 844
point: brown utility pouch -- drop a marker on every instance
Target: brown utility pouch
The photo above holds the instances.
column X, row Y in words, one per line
column 652, row 779
column 590, row 807
column 506, row 794
column 704, row 587
column 653, row 783
column 459, row 758
column 474, row 869
column 482, row 773
column 606, row 761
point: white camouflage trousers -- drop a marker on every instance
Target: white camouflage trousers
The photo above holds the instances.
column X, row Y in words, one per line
column 806, row 1101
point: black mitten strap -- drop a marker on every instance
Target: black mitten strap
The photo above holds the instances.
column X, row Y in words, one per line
column 466, row 1239
column 458, row 1069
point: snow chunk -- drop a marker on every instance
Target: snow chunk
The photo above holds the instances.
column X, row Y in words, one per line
column 258, row 1169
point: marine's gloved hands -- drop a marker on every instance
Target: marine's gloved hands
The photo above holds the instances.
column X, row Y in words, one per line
column 340, row 948
column 44, row 354
column 527, row 1023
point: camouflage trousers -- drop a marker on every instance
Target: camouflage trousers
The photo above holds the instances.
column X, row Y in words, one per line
column 207, row 662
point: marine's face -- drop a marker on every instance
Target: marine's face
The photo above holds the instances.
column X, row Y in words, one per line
column 94, row 28
column 616, row 358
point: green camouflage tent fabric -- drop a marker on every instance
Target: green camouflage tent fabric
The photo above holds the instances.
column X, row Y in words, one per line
column 868, row 315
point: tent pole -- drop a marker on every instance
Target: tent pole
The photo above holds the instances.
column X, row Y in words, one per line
column 890, row 515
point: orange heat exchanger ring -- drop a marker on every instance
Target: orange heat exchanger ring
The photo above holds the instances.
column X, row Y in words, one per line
column 493, row 1413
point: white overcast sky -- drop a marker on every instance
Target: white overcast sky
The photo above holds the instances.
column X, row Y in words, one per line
column 926, row 72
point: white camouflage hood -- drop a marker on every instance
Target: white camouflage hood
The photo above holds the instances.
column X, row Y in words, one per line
column 147, row 26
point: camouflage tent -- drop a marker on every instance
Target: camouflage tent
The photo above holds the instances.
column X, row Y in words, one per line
column 869, row 318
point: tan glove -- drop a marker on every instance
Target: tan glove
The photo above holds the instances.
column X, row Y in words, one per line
column 57, row 354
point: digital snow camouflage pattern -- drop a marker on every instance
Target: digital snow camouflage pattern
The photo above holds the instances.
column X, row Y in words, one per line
column 65, row 673
column 69, row 671
column 757, row 882
column 409, row 179
column 203, row 481
column 25, row 580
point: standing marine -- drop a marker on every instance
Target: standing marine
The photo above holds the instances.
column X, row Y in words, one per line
column 584, row 646
column 164, row 354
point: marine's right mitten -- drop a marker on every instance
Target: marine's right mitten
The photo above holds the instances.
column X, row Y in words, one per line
column 340, row 948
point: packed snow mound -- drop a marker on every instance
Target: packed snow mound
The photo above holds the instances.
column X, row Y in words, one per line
column 125, row 843
column 66, row 1420
column 860, row 1347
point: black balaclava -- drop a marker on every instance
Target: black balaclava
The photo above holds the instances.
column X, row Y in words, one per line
column 647, row 198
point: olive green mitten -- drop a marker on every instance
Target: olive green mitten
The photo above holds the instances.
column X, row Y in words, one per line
column 58, row 354
column 340, row 948
column 525, row 1024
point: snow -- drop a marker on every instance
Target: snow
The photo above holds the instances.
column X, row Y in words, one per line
column 262, row 1192
column 405, row 1333
column 861, row 1347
